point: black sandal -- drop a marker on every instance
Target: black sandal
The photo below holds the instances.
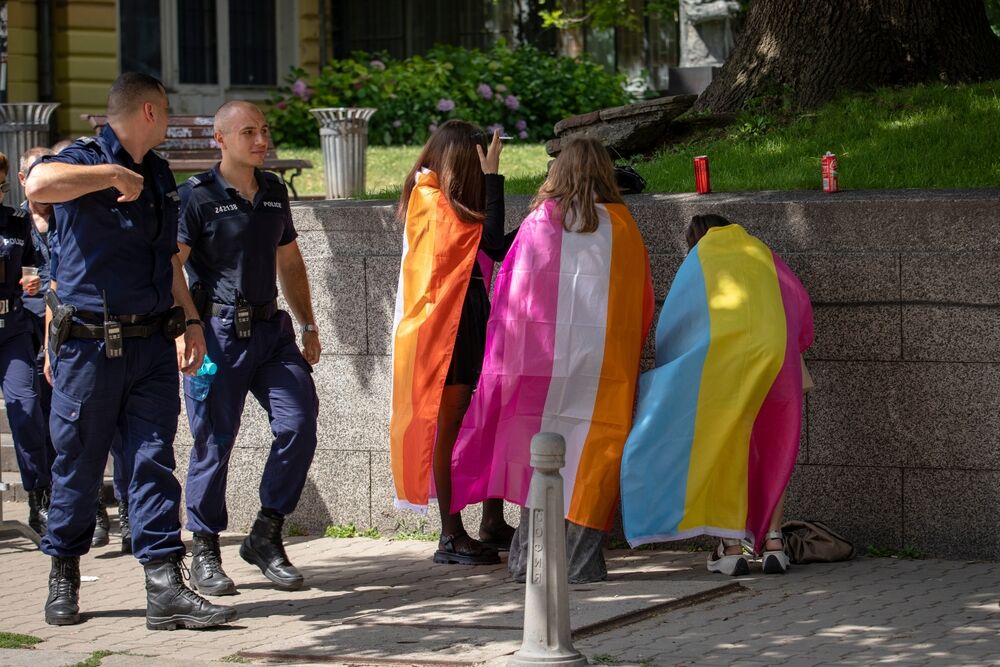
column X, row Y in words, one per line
column 452, row 549
column 499, row 540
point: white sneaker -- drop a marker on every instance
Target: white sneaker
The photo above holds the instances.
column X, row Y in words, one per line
column 775, row 562
column 735, row 565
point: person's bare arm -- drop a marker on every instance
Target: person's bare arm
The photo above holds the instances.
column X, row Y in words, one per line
column 46, row 368
column 58, row 182
column 295, row 286
column 193, row 353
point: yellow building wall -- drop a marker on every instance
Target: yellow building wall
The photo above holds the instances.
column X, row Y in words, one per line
column 22, row 51
column 309, row 37
column 86, row 60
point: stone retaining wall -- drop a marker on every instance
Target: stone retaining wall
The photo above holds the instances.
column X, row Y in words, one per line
column 901, row 440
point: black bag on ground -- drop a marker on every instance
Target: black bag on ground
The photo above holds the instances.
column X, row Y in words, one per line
column 815, row 542
column 629, row 181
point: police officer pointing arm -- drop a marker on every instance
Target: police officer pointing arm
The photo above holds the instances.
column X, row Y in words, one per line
column 111, row 352
column 237, row 237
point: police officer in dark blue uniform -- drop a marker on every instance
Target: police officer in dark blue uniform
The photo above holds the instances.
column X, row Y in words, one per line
column 17, row 354
column 237, row 238
column 111, row 358
column 42, row 232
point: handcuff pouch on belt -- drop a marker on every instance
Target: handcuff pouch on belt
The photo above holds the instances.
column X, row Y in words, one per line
column 61, row 322
column 243, row 317
column 173, row 323
column 199, row 296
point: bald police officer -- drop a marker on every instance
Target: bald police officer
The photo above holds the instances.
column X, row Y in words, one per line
column 112, row 360
column 237, row 238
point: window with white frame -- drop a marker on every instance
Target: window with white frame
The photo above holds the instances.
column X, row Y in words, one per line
column 218, row 44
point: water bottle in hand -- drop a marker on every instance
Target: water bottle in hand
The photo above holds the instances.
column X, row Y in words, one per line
column 201, row 382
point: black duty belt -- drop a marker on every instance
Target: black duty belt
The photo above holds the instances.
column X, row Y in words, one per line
column 133, row 326
column 264, row 312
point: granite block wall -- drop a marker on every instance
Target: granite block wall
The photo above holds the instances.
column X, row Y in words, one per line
column 901, row 439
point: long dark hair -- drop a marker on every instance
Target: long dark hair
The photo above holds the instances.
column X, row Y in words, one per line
column 700, row 224
column 451, row 154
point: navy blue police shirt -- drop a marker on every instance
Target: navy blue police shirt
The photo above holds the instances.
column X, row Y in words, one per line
column 41, row 244
column 122, row 249
column 234, row 242
column 15, row 251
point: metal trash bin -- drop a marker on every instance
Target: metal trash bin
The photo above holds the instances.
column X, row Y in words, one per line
column 343, row 133
column 22, row 126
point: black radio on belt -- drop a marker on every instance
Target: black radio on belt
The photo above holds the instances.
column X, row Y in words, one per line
column 243, row 318
column 112, row 334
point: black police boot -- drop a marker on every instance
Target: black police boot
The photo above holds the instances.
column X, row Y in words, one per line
column 263, row 548
column 100, row 537
column 38, row 510
column 125, row 526
column 63, row 604
column 171, row 605
column 207, row 574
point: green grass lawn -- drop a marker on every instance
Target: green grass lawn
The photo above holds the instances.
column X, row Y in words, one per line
column 932, row 136
column 924, row 137
column 388, row 166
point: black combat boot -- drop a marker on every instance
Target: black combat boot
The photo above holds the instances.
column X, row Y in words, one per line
column 100, row 537
column 171, row 605
column 207, row 574
column 263, row 548
column 63, row 604
column 38, row 510
column 125, row 526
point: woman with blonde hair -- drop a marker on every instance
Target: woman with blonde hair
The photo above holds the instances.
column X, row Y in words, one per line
column 453, row 210
column 572, row 306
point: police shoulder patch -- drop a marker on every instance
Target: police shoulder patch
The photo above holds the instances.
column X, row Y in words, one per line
column 204, row 178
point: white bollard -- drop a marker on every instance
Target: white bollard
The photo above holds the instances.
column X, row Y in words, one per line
column 546, row 596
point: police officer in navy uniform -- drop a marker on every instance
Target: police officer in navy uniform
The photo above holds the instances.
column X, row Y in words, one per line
column 42, row 232
column 17, row 354
column 237, row 237
column 112, row 360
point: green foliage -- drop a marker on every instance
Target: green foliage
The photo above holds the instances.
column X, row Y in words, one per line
column 418, row 532
column 295, row 530
column 605, row 659
column 95, row 658
column 524, row 90
column 13, row 640
column 927, row 136
column 343, row 530
column 908, row 552
column 993, row 14
column 601, row 14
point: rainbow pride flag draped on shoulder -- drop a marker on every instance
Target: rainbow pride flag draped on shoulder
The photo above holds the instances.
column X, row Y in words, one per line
column 570, row 314
column 717, row 426
column 438, row 253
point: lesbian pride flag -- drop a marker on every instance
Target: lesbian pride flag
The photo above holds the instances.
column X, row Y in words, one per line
column 570, row 314
column 438, row 253
column 716, row 431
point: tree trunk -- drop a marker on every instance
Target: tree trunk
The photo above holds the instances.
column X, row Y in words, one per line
column 805, row 51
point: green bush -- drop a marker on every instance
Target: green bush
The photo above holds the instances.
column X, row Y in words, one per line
column 524, row 90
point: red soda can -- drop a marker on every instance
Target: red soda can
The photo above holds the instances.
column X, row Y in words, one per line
column 702, row 183
column 829, row 172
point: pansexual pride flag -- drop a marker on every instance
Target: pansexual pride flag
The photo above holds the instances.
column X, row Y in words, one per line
column 438, row 253
column 570, row 314
column 717, row 426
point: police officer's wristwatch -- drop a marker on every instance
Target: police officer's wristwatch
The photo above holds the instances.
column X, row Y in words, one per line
column 309, row 327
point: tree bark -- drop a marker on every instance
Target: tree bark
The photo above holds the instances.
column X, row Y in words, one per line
column 806, row 51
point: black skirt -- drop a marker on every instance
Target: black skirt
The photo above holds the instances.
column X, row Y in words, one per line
column 470, row 343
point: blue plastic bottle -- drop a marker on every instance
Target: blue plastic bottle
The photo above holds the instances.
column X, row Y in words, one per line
column 201, row 381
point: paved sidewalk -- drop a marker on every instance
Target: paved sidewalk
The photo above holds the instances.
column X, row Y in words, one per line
column 377, row 602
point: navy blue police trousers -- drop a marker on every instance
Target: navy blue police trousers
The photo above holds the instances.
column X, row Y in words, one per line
column 94, row 398
column 270, row 366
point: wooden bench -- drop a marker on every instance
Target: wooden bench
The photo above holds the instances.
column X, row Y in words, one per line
column 190, row 146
